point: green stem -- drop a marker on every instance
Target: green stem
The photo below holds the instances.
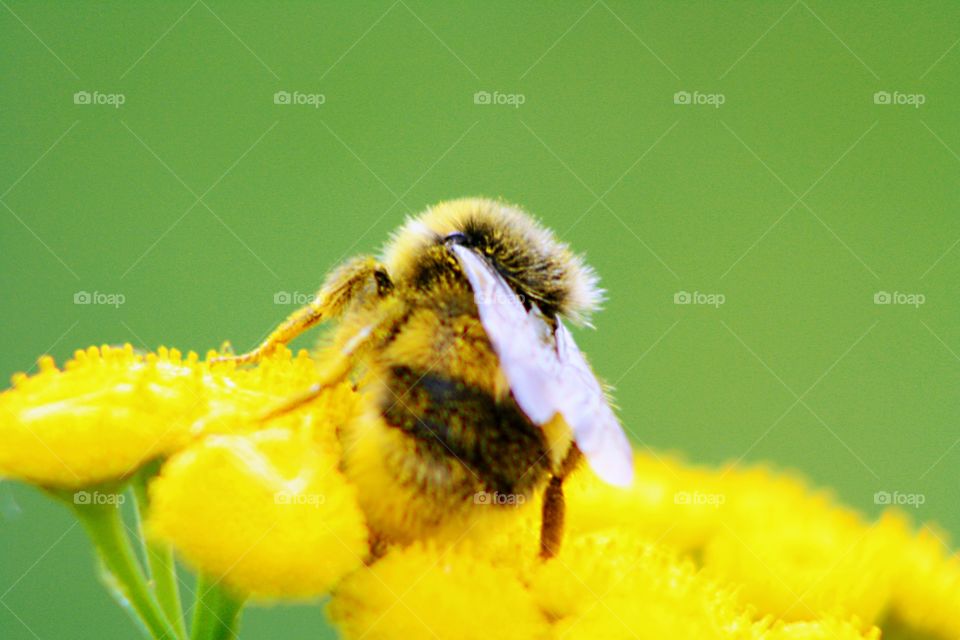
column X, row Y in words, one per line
column 105, row 527
column 160, row 562
column 216, row 612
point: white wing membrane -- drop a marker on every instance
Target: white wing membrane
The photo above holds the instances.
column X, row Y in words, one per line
column 547, row 372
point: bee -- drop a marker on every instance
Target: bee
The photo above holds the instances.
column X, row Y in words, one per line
column 473, row 389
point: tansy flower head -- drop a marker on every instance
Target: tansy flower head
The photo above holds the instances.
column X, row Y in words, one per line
column 668, row 501
column 103, row 415
column 109, row 410
column 267, row 513
column 796, row 553
column 926, row 589
column 614, row 585
column 427, row 592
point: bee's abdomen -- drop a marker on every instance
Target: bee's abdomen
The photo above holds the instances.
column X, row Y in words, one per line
column 452, row 421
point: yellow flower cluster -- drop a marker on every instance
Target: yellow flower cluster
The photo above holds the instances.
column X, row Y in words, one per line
column 264, row 511
column 686, row 552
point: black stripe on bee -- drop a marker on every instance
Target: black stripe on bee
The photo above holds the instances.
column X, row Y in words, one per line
column 448, row 418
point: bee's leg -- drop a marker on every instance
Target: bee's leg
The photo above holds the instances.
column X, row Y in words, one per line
column 378, row 548
column 333, row 368
column 551, row 527
column 293, row 403
column 296, row 323
column 360, row 277
column 554, row 507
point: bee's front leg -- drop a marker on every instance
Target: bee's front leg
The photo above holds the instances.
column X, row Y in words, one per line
column 361, row 277
column 296, row 323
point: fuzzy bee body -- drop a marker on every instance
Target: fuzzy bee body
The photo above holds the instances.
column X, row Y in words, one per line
column 472, row 386
column 442, row 431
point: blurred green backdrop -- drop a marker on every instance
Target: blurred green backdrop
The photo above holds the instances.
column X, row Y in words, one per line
column 775, row 178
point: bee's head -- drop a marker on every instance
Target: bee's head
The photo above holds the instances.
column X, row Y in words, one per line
column 528, row 256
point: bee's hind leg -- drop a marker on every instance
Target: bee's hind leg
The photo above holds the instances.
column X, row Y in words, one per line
column 554, row 507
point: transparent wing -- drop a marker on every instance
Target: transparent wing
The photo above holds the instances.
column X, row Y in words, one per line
column 584, row 406
column 547, row 372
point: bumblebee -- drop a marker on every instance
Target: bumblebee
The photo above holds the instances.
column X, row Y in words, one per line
column 476, row 396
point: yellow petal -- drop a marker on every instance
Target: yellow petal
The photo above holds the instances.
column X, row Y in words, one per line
column 269, row 514
column 426, row 592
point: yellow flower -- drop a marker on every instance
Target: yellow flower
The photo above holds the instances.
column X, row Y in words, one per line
column 267, row 513
column 797, row 555
column 110, row 410
column 668, row 501
column 105, row 414
column 614, row 585
column 608, row 585
column 926, row 592
column 426, row 592
column 263, row 509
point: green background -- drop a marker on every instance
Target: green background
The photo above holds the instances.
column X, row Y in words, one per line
column 798, row 200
